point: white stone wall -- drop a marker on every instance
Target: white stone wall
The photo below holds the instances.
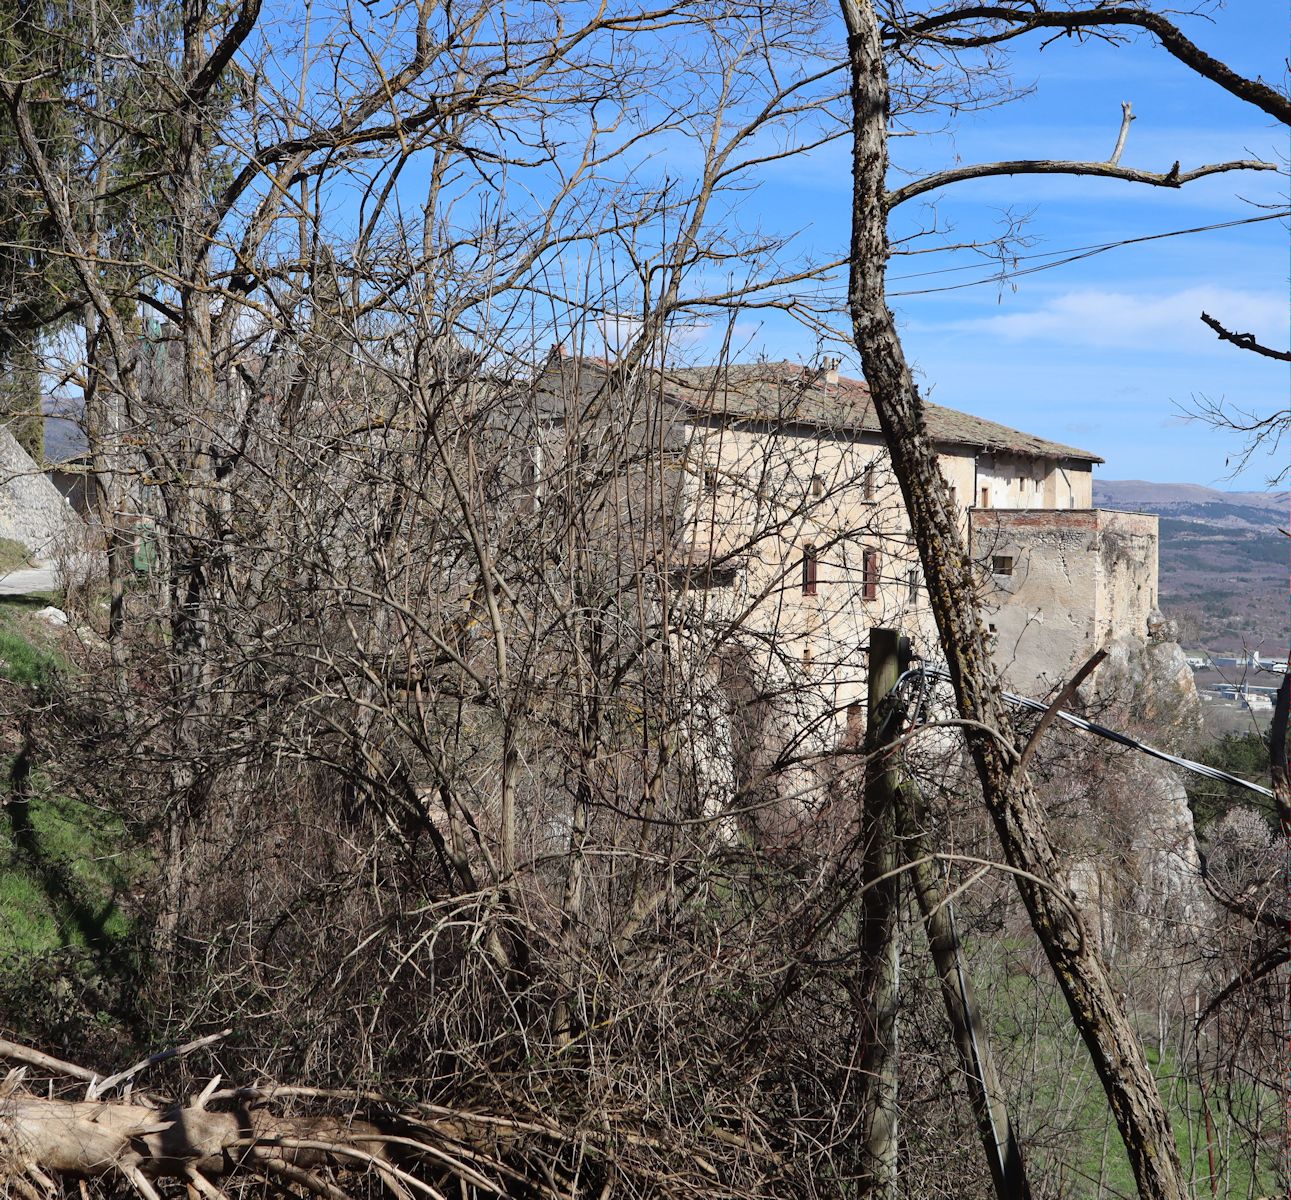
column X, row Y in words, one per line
column 32, row 510
column 1018, row 481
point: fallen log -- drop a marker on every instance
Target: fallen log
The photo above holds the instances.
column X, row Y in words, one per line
column 142, row 1139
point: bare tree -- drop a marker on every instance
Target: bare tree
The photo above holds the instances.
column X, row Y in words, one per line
column 1019, row 820
column 489, row 810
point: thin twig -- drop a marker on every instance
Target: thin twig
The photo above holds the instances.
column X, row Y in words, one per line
column 95, row 1090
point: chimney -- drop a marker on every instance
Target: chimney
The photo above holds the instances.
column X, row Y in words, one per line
column 830, row 367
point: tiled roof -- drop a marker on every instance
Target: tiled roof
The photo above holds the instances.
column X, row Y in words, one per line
column 790, row 393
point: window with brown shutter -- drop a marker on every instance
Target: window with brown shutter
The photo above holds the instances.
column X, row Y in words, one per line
column 870, row 575
column 809, row 570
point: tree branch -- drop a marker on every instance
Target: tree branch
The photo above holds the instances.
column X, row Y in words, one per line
column 1127, row 118
column 1171, row 37
column 1173, row 178
column 211, row 70
column 1248, row 975
column 1060, row 702
column 1245, row 341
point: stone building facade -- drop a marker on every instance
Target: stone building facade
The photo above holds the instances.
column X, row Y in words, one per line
column 786, row 521
column 1063, row 583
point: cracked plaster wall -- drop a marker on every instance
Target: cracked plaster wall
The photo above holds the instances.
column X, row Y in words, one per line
column 1061, row 584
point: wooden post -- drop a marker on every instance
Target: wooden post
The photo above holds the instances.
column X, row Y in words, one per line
column 890, row 837
column 878, row 991
column 1003, row 1155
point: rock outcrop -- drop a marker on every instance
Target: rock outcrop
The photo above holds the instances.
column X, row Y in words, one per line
column 32, row 510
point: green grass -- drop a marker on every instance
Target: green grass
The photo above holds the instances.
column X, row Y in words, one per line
column 1057, row 1094
column 13, row 556
column 27, row 655
column 63, row 868
column 25, row 662
column 62, row 863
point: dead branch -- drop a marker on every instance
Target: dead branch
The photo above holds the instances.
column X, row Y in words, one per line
column 47, row 1062
column 1171, row 37
column 1244, row 341
column 1173, row 178
column 1127, row 117
column 1060, row 702
column 95, row 1090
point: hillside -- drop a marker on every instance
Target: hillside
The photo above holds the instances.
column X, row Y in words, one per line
column 1223, row 559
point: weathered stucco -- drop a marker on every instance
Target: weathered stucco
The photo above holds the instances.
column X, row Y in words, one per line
column 791, row 536
column 1062, row 584
column 758, row 496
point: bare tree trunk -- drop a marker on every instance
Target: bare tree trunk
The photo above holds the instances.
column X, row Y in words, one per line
column 1019, row 821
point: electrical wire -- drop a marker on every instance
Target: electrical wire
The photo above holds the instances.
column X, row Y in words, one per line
column 1075, row 254
column 1112, row 735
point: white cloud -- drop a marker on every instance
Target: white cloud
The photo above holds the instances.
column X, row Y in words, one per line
column 1105, row 318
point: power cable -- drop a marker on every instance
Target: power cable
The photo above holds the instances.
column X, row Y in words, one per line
column 1074, row 254
column 1112, row 735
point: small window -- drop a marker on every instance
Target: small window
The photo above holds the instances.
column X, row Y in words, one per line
column 870, row 575
column 817, row 486
column 1001, row 564
column 954, row 496
column 912, row 585
column 867, row 482
column 986, row 497
column 809, row 563
column 710, row 481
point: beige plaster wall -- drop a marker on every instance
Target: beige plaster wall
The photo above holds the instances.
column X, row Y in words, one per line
column 759, row 500
column 1012, row 481
column 756, row 497
column 1080, row 578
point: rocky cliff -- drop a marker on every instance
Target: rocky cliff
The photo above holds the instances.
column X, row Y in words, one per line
column 32, row 510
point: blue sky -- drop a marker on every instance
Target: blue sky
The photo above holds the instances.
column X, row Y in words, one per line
column 1101, row 353
column 1104, row 353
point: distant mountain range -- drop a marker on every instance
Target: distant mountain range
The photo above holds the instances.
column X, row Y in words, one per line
column 1224, row 561
column 64, row 438
column 1192, row 502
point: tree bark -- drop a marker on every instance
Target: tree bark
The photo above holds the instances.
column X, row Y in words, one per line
column 1017, row 816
